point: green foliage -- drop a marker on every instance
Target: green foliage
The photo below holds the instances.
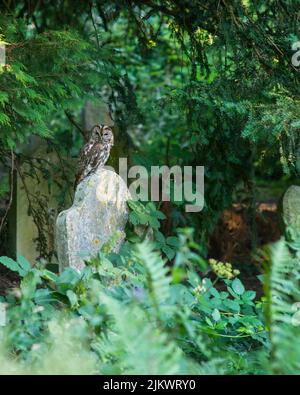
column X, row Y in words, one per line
column 182, row 320
column 171, row 74
column 147, row 215
column 282, row 290
column 146, row 218
column 176, row 326
column 231, row 313
column 43, row 76
column 187, row 84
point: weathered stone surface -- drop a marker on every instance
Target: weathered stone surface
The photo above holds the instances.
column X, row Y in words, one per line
column 291, row 207
column 99, row 212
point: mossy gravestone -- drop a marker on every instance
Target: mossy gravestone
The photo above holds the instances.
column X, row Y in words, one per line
column 98, row 214
column 291, row 208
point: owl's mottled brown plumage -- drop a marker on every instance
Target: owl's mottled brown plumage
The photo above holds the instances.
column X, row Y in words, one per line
column 95, row 152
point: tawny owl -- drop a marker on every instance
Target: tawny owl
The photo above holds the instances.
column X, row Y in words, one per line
column 95, row 152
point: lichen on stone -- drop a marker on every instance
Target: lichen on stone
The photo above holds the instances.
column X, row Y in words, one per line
column 99, row 211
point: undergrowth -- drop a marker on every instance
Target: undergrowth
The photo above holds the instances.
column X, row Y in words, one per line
column 134, row 312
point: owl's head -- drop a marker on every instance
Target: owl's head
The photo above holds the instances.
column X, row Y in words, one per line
column 103, row 134
column 107, row 135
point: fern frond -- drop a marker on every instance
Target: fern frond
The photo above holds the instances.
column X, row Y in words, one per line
column 158, row 283
column 145, row 349
column 284, row 296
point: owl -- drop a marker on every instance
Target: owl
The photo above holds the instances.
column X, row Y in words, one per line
column 95, row 152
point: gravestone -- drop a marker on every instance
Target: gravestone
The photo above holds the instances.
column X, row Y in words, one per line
column 95, row 112
column 33, row 191
column 98, row 214
column 291, row 208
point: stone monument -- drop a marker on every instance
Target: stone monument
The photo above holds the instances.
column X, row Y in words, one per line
column 291, row 208
column 98, row 213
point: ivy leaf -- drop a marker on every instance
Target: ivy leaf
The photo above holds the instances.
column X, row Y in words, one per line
column 216, row 315
column 12, row 265
column 238, row 287
column 249, row 295
column 72, row 298
column 43, row 296
column 9, row 263
column 28, row 284
column 168, row 251
column 209, row 322
column 232, row 305
column 154, row 223
column 133, row 218
column 48, row 275
column 159, row 215
column 173, row 241
column 159, row 237
column 143, row 218
column 24, row 264
column 215, row 292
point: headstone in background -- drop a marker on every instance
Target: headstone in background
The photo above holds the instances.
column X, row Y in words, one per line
column 25, row 238
column 95, row 112
column 99, row 213
column 291, row 208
